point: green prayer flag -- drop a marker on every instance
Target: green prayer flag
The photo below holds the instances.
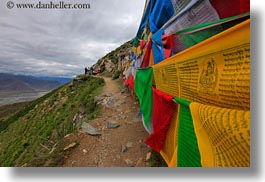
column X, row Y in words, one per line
column 195, row 34
column 143, row 90
column 188, row 152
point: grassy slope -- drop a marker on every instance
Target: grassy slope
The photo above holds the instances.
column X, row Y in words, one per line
column 10, row 109
column 28, row 136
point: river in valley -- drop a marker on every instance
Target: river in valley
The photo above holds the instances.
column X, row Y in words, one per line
column 14, row 97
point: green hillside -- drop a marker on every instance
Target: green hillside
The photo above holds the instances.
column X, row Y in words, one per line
column 35, row 135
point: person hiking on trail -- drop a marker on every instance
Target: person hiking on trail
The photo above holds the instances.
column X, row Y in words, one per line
column 86, row 70
column 91, row 70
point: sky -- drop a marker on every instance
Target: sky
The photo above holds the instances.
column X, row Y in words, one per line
column 56, row 42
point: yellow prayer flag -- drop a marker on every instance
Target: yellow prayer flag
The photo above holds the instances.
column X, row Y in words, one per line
column 169, row 151
column 223, row 135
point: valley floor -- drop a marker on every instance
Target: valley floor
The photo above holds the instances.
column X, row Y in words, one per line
column 18, row 96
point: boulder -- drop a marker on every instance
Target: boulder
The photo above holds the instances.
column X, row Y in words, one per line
column 112, row 125
column 89, row 129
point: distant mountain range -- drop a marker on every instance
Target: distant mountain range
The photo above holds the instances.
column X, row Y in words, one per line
column 25, row 83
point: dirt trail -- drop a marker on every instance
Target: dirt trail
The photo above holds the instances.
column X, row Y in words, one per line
column 106, row 150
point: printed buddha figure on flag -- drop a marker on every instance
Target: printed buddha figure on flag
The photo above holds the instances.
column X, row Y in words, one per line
column 208, row 78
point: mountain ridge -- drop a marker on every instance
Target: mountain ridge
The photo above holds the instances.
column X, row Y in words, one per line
column 26, row 83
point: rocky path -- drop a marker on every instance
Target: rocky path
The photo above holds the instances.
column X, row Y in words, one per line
column 118, row 138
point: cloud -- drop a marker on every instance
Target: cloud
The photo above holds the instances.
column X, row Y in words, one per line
column 62, row 42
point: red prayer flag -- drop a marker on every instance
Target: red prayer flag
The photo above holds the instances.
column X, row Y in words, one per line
column 228, row 8
column 163, row 108
column 146, row 59
column 168, row 42
column 130, row 82
column 142, row 44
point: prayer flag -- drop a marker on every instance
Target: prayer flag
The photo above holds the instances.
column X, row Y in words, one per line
column 143, row 90
column 162, row 111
